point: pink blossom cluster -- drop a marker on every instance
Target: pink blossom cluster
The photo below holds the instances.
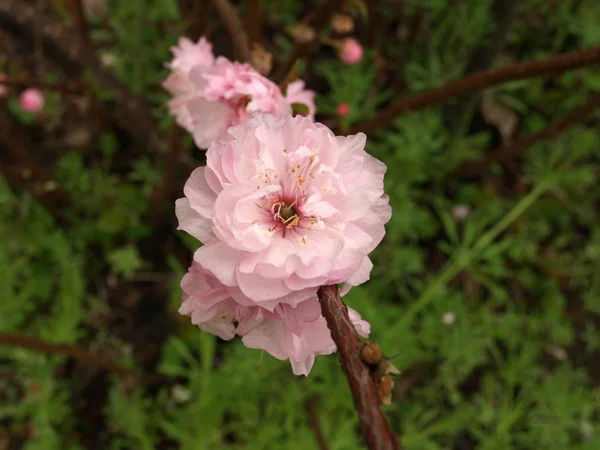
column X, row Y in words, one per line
column 210, row 93
column 282, row 207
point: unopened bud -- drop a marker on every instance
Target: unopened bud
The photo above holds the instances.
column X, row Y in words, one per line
column 371, row 353
column 262, row 60
column 303, row 34
column 342, row 24
column 343, row 109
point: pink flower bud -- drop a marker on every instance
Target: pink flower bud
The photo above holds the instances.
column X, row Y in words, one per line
column 343, row 109
column 3, row 89
column 350, row 51
column 32, row 100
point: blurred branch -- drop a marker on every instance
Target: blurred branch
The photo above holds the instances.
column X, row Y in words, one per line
column 376, row 429
column 160, row 196
column 77, row 11
column 318, row 23
column 64, row 88
column 34, row 21
column 484, row 56
column 517, row 147
column 84, row 356
column 254, row 20
column 313, row 419
column 481, row 80
column 232, row 22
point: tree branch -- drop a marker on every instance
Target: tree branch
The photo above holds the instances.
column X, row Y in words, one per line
column 27, row 83
column 482, row 80
column 551, row 131
column 319, row 21
column 232, row 22
column 84, row 356
column 313, row 419
column 376, row 430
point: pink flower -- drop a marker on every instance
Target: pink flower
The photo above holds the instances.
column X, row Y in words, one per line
column 187, row 55
column 32, row 100
column 211, row 98
column 282, row 206
column 297, row 94
column 3, row 88
column 298, row 333
column 343, row 109
column 350, row 51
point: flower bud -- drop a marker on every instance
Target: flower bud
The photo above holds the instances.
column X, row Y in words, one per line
column 303, row 34
column 343, row 109
column 342, row 24
column 262, row 60
column 32, row 100
column 350, row 51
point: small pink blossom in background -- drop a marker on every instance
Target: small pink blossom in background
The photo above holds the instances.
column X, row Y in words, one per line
column 343, row 109
column 3, row 89
column 296, row 93
column 350, row 51
column 282, row 207
column 449, row 318
column 212, row 94
column 32, row 100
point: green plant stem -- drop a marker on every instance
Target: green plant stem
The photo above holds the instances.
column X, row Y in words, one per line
column 455, row 265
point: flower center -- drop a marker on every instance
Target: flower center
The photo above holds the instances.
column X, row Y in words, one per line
column 287, row 214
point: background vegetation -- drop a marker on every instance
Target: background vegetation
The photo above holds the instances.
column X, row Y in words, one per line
column 486, row 289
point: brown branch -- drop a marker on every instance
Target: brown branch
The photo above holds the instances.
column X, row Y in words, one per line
column 377, row 432
column 232, row 22
column 34, row 21
column 318, row 23
column 77, row 11
column 551, row 131
column 84, row 356
column 254, row 20
column 482, row 80
column 27, row 83
column 313, row 419
column 160, row 196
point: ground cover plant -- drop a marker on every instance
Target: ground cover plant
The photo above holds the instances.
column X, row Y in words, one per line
column 485, row 291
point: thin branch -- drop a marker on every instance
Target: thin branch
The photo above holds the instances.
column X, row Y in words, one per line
column 34, row 21
column 254, row 20
column 313, row 419
column 232, row 22
column 377, row 432
column 84, row 356
column 482, row 80
column 27, row 83
column 551, row 131
column 77, row 11
column 318, row 23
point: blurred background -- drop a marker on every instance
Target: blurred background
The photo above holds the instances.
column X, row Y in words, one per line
column 485, row 291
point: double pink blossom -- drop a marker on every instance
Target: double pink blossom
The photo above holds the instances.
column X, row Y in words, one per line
column 282, row 207
column 211, row 94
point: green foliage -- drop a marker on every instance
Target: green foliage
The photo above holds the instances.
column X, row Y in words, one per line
column 498, row 312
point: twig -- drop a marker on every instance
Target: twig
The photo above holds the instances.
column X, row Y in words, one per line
column 64, row 88
column 376, row 430
column 171, row 160
column 318, row 22
column 254, row 20
column 484, row 57
column 232, row 22
column 482, row 80
column 78, row 14
column 34, row 21
column 551, row 131
column 313, row 419
column 84, row 356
